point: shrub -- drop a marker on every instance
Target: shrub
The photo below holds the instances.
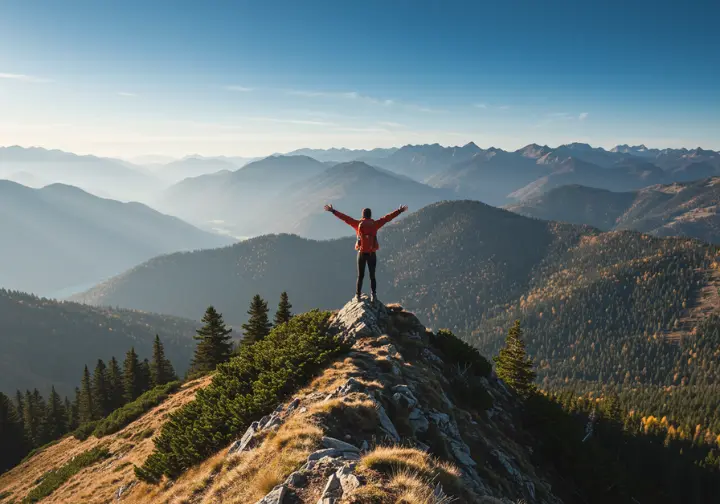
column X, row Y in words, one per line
column 242, row 390
column 456, row 351
column 53, row 479
column 83, row 432
column 132, row 410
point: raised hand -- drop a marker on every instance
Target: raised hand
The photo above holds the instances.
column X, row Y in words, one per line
column 329, row 208
column 403, row 208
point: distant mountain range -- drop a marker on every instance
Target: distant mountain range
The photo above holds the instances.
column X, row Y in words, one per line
column 681, row 209
column 105, row 177
column 287, row 194
column 61, row 237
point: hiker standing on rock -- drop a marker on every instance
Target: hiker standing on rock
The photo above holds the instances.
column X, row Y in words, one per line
column 367, row 243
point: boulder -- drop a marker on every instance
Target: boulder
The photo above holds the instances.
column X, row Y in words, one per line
column 329, row 442
column 276, row 496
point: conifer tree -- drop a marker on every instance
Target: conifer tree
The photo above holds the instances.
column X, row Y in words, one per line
column 20, row 407
column 74, row 416
column 33, row 417
column 145, row 376
column 115, row 385
column 214, row 343
column 55, row 418
column 258, row 325
column 513, row 365
column 132, row 376
column 12, row 437
column 85, row 403
column 283, row 313
column 69, row 425
column 100, row 392
column 161, row 369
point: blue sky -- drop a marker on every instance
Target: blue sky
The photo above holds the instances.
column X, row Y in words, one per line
column 251, row 78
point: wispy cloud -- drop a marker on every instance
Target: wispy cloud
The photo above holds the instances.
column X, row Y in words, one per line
column 480, row 105
column 391, row 124
column 291, row 121
column 583, row 116
column 240, row 89
column 504, row 107
column 125, row 93
column 23, row 78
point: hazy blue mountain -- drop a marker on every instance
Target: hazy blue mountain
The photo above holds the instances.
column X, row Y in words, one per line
column 60, row 236
column 343, row 155
column 421, row 162
column 101, row 176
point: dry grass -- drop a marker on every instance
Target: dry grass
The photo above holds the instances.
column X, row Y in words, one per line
column 413, row 468
column 412, row 488
column 99, row 482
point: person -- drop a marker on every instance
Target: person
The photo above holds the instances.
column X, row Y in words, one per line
column 366, row 244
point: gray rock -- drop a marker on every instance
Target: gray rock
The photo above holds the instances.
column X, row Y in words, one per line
column 428, row 355
column 348, row 481
column 275, row 421
column 350, row 386
column 125, row 489
column 385, row 422
column 351, row 455
column 276, row 496
column 332, row 487
column 329, row 442
column 246, row 441
column 404, row 397
column 296, row 479
column 461, row 451
column 303, row 409
column 418, row 421
column 327, row 452
column 364, row 446
column 293, row 404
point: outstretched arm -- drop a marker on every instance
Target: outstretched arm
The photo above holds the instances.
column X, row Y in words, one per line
column 384, row 220
column 345, row 218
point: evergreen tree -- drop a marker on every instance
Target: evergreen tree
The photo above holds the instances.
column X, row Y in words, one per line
column 115, row 385
column 85, row 403
column 55, row 418
column 258, row 325
column 74, row 416
column 12, row 437
column 214, row 343
column 283, row 313
column 100, row 392
column 161, row 369
column 20, row 407
column 513, row 365
column 33, row 417
column 145, row 376
column 69, row 420
column 132, row 376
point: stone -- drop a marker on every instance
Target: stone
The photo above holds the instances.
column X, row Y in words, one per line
column 350, row 386
column 422, row 446
column 327, row 452
column 385, row 422
column 348, row 481
column 404, row 397
column 296, row 479
column 303, row 409
column 246, row 440
column 332, row 485
column 275, row 421
column 418, row 421
column 428, row 355
column 364, row 446
column 461, row 451
column 293, row 404
column 275, row 496
column 124, row 489
column 329, row 442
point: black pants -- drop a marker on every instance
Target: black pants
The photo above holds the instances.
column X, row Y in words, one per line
column 371, row 260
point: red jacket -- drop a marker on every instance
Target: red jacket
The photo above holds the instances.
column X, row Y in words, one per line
column 369, row 226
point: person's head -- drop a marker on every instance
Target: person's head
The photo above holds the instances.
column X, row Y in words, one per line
column 367, row 213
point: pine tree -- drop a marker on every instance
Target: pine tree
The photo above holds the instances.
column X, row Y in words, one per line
column 33, row 417
column 85, row 403
column 20, row 407
column 513, row 365
column 12, row 437
column 69, row 420
column 100, row 392
column 214, row 343
column 132, row 376
column 74, row 416
column 145, row 376
column 161, row 369
column 55, row 418
column 258, row 326
column 115, row 385
column 283, row 313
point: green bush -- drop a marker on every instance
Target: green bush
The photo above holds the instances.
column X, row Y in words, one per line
column 53, row 479
column 132, row 410
column 457, row 352
column 83, row 432
column 243, row 389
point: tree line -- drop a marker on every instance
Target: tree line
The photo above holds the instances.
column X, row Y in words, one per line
column 29, row 421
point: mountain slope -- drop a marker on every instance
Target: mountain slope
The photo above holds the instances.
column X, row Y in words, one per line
column 421, row 162
column 472, row 268
column 59, row 237
column 681, row 209
column 45, row 342
column 104, row 177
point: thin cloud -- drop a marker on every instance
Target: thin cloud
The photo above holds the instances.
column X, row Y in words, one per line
column 240, row 89
column 348, row 95
column 480, row 106
column 391, row 124
column 292, row 121
column 583, row 116
column 125, row 93
column 24, row 78
column 503, row 107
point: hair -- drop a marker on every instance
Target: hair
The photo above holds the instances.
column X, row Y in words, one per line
column 367, row 213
